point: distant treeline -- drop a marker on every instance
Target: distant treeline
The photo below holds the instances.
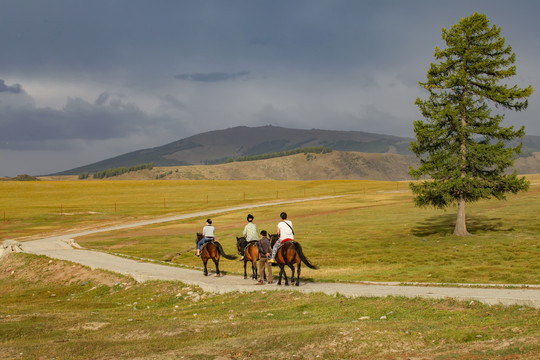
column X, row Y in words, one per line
column 306, row 150
column 23, row 177
column 116, row 171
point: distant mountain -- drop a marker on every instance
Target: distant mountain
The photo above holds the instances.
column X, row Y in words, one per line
column 216, row 147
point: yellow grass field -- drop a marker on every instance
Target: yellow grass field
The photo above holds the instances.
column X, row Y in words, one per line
column 371, row 233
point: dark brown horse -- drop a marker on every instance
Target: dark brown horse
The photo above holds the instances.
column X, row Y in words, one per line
column 251, row 254
column 290, row 253
column 212, row 250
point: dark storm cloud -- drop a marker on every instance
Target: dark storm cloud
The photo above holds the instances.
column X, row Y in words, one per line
column 340, row 64
column 15, row 89
column 29, row 127
column 213, row 76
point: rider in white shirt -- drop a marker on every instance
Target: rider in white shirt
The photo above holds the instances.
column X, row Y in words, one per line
column 208, row 235
column 285, row 232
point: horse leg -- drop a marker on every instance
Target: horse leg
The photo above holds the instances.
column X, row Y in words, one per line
column 285, row 275
column 254, row 268
column 280, row 273
column 205, row 268
column 298, row 274
column 292, row 275
column 216, row 262
column 245, row 271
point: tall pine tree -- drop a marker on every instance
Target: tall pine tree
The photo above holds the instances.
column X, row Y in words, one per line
column 463, row 148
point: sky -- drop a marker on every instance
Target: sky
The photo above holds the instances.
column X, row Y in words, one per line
column 83, row 81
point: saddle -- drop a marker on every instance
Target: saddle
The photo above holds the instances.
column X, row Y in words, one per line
column 206, row 243
column 250, row 243
column 284, row 241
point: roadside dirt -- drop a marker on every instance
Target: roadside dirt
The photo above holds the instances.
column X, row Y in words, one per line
column 45, row 270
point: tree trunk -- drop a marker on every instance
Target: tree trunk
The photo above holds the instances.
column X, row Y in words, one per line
column 461, row 224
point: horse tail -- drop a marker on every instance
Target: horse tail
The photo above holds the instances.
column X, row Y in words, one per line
column 304, row 259
column 222, row 253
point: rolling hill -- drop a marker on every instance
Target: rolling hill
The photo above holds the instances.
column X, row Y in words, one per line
column 216, row 147
column 328, row 166
column 356, row 155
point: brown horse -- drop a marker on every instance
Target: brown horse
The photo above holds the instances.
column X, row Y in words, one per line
column 251, row 254
column 212, row 250
column 290, row 253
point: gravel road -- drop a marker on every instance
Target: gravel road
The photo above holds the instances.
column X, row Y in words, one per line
column 63, row 247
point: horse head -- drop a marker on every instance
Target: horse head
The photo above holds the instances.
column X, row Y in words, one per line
column 240, row 243
column 273, row 238
column 198, row 237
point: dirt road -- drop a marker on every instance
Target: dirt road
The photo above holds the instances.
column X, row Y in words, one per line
column 63, row 247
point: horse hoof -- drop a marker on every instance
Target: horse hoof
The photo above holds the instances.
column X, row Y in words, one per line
column 217, row 275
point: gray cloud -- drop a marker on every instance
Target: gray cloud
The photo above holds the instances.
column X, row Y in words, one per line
column 213, row 76
column 108, row 117
column 101, row 83
column 15, row 89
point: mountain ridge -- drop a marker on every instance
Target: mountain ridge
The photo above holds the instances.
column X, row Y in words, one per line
column 218, row 146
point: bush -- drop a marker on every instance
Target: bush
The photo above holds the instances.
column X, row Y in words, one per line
column 121, row 170
column 306, row 150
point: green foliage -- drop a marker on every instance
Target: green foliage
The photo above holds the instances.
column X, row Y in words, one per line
column 25, row 177
column 84, row 176
column 306, row 150
column 463, row 147
column 121, row 170
column 171, row 320
column 163, row 175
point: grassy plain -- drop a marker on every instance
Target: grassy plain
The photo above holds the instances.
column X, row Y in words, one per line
column 30, row 208
column 51, row 309
column 372, row 233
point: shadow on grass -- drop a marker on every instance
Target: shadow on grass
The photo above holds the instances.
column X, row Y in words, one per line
column 444, row 225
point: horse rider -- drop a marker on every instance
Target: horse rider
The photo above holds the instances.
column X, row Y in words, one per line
column 285, row 232
column 208, row 235
column 250, row 232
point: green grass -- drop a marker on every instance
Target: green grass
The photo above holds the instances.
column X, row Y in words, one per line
column 45, row 318
column 373, row 233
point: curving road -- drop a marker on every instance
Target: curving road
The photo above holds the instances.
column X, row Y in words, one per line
column 63, row 247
